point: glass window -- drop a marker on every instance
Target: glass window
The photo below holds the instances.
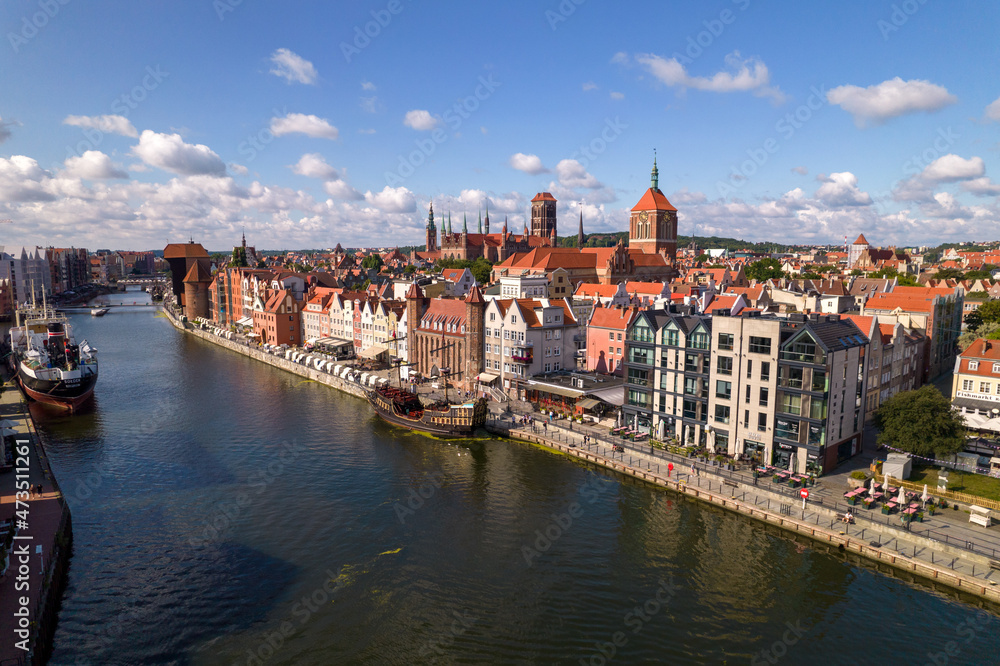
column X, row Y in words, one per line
column 762, row 422
column 791, row 403
column 698, row 340
column 723, row 389
column 726, row 341
column 638, row 355
column 765, row 371
column 820, row 382
column 760, row 345
column 763, row 396
column 966, row 384
column 690, row 409
column 722, row 413
column 640, row 332
column 817, row 409
column 750, row 368
column 691, row 363
column 984, row 387
column 670, row 337
column 791, row 377
column 973, row 365
column 638, row 377
column 638, row 398
column 690, row 386
column 724, row 365
column 786, row 429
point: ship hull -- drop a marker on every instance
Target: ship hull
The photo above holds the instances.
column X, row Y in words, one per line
column 68, row 394
column 457, row 422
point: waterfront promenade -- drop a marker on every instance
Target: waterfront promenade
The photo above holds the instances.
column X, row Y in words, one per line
column 42, row 530
column 944, row 548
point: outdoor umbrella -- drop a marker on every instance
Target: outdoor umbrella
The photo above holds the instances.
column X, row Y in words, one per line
column 925, row 496
column 885, row 485
column 873, row 489
column 7, row 431
column 7, row 423
column 901, row 500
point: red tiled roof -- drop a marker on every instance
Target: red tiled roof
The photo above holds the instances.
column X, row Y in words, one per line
column 544, row 196
column 197, row 274
column 861, row 240
column 591, row 289
column 653, row 200
column 616, row 318
column 654, row 288
column 177, row 250
column 907, row 303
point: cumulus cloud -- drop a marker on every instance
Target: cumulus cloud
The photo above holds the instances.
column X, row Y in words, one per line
column 527, row 163
column 293, row 67
column 300, row 123
column 392, row 200
column 876, row 104
column 94, row 165
column 951, row 168
column 841, row 189
column 982, row 187
column 170, row 153
column 742, row 75
column 617, row 95
column 993, row 110
column 369, row 104
column 313, row 165
column 238, row 169
column 421, row 120
column 339, row 189
column 589, row 85
column 22, row 180
column 620, row 58
column 801, row 170
column 572, row 174
column 367, row 85
column 108, row 124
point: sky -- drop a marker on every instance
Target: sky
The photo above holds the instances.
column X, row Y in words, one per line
column 129, row 125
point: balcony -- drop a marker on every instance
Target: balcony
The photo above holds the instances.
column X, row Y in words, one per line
column 522, row 355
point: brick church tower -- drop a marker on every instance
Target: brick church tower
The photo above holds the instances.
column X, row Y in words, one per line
column 543, row 215
column 475, row 314
column 431, row 233
column 652, row 225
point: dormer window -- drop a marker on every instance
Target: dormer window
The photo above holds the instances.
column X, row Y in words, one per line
column 973, row 365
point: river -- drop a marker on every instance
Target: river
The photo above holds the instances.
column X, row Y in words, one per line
column 226, row 512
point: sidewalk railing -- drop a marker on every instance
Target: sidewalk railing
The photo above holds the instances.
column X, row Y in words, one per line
column 964, row 498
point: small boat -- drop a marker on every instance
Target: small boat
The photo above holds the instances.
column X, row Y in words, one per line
column 99, row 312
column 404, row 409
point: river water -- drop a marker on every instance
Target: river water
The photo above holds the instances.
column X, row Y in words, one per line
column 226, row 512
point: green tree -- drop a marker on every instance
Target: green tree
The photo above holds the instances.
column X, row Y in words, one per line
column 811, row 275
column 482, row 270
column 948, row 274
column 903, row 279
column 764, row 269
column 921, row 422
column 990, row 311
column 409, row 269
column 973, row 320
column 372, row 261
column 988, row 330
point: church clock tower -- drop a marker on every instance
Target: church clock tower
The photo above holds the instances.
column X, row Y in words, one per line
column 653, row 223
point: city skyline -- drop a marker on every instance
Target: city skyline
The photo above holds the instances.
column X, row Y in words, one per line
column 341, row 124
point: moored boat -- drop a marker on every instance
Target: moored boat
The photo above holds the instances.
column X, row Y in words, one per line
column 49, row 365
column 99, row 312
column 405, row 409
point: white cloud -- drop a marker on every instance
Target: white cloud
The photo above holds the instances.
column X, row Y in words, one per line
column 950, row 168
column 684, row 196
column 292, row 67
column 993, row 110
column 982, row 187
column 589, row 85
column 841, row 189
column 801, row 170
column 107, row 124
column 310, row 125
column 312, row 165
column 889, row 99
column 238, row 169
column 93, row 165
column 366, row 131
column 482, row 128
column 392, row 200
column 421, row 120
column 369, row 104
column 572, row 174
column 617, row 95
column 620, row 58
column 338, row 189
column 742, row 75
column 22, row 180
column 170, row 153
column 367, row 85
column 527, row 163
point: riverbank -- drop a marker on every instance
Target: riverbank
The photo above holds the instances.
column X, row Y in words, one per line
column 40, row 538
column 939, row 562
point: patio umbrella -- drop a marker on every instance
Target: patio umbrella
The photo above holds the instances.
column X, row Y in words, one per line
column 885, row 485
column 873, row 489
column 7, row 431
column 7, row 423
column 925, row 496
column 901, row 500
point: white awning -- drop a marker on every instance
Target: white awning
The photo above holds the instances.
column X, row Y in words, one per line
column 372, row 351
column 486, row 377
column 246, row 321
column 311, row 341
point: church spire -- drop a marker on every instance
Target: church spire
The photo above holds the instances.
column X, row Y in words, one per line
column 480, row 219
column 465, row 224
column 654, row 177
column 579, row 235
column 487, row 227
column 430, row 217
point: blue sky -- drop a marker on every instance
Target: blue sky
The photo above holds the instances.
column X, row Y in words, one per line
column 135, row 124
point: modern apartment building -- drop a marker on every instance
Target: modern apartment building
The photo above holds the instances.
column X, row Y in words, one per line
column 786, row 391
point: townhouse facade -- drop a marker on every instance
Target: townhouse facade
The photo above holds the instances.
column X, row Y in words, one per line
column 606, row 330
column 975, row 386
